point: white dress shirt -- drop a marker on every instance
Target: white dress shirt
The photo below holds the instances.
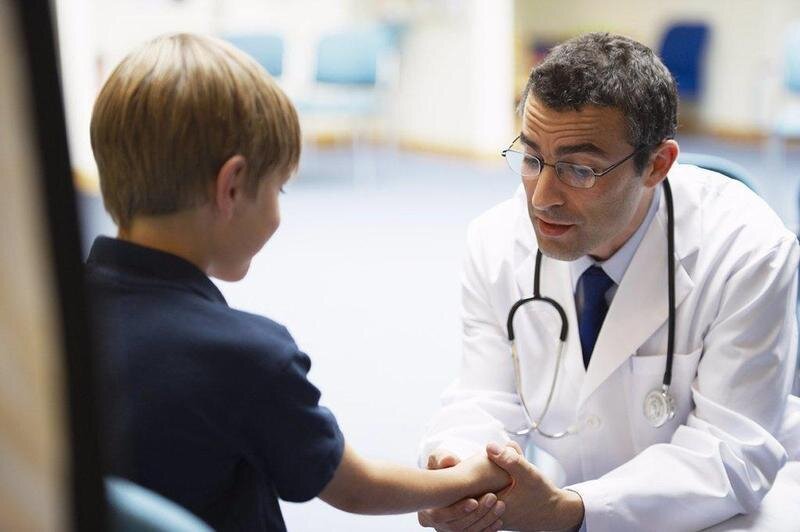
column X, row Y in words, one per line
column 616, row 265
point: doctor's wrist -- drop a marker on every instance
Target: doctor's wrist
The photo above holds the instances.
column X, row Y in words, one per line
column 570, row 507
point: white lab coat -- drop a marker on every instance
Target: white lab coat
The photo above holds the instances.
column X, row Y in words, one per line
column 736, row 341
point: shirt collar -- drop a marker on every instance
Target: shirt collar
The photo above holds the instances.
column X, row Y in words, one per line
column 616, row 265
column 126, row 257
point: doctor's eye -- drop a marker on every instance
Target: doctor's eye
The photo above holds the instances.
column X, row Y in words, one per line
column 531, row 165
column 576, row 175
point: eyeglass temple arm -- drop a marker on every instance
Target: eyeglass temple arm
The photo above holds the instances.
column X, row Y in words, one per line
column 503, row 153
column 615, row 165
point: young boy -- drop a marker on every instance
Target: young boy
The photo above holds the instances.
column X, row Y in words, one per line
column 208, row 405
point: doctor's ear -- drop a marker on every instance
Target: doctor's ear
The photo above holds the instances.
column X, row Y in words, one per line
column 660, row 163
column 229, row 185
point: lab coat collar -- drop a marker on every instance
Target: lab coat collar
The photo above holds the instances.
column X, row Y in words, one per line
column 628, row 323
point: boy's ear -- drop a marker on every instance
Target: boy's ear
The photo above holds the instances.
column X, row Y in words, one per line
column 229, row 185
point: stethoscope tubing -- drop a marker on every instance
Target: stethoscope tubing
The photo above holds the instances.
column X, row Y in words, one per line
column 667, row 379
column 670, row 283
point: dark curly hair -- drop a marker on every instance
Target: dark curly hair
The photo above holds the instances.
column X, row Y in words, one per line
column 610, row 71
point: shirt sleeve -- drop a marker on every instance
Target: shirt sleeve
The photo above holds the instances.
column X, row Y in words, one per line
column 298, row 442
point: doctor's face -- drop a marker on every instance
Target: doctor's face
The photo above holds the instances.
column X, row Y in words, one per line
column 571, row 222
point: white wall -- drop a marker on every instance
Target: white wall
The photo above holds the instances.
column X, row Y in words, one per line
column 79, row 80
column 94, row 35
column 744, row 52
column 456, row 90
column 458, row 77
column 456, row 61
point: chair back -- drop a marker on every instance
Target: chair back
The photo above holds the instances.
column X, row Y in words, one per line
column 265, row 48
column 352, row 57
column 133, row 508
column 792, row 59
column 719, row 165
column 682, row 51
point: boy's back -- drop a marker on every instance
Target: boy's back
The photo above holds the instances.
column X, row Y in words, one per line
column 207, row 405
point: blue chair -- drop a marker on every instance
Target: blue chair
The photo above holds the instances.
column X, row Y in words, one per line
column 788, row 122
column 133, row 508
column 265, row 48
column 348, row 72
column 792, row 61
column 356, row 71
column 719, row 165
column 352, row 57
column 682, row 51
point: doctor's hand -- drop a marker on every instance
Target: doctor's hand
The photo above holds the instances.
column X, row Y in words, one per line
column 471, row 514
column 532, row 501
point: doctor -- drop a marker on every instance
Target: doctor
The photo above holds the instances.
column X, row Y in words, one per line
column 595, row 154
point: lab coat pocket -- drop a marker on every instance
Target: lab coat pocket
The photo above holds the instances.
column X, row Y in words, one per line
column 647, row 374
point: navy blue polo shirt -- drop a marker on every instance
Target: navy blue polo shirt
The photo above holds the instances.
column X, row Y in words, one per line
column 206, row 405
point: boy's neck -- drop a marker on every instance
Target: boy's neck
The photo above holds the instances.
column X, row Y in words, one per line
column 182, row 234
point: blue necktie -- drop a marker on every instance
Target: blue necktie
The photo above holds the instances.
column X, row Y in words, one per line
column 594, row 283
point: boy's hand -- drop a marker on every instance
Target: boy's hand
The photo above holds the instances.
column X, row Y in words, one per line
column 481, row 514
column 441, row 459
column 484, row 474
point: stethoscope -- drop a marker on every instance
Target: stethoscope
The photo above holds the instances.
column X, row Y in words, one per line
column 659, row 405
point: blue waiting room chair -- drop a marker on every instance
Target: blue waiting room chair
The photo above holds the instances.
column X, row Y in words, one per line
column 786, row 122
column 352, row 57
column 719, row 165
column 133, row 508
column 350, row 71
column 682, row 51
column 265, row 48
column 356, row 71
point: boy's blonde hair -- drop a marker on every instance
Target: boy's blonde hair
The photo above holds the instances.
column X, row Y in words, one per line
column 173, row 111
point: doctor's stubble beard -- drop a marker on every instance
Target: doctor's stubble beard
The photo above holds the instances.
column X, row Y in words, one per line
column 606, row 221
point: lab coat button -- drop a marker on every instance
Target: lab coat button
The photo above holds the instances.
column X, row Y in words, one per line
column 593, row 422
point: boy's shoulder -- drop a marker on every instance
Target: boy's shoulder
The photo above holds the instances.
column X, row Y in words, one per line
column 246, row 335
column 156, row 308
column 231, row 341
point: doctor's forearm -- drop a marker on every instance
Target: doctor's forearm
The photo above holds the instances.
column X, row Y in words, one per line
column 366, row 486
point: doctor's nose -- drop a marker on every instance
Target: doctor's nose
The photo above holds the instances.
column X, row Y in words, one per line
column 548, row 190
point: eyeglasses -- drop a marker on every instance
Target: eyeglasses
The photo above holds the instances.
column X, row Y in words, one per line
column 573, row 175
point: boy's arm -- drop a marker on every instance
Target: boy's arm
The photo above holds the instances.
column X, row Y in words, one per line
column 366, row 486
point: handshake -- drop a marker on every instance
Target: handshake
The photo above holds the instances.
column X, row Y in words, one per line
column 511, row 493
column 516, row 496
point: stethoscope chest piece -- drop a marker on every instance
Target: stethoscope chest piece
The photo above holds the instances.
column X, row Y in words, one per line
column 659, row 406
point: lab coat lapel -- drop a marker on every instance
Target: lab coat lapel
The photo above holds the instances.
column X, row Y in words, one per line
column 640, row 305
